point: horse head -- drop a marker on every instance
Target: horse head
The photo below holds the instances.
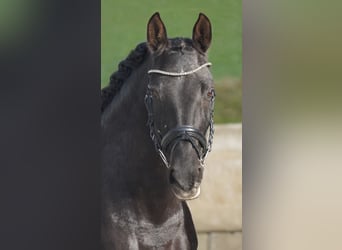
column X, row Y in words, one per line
column 179, row 100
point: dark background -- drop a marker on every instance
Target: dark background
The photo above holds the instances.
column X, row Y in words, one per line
column 49, row 129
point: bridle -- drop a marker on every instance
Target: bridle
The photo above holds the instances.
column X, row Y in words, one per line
column 168, row 142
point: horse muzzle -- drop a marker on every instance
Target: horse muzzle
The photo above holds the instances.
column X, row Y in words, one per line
column 182, row 195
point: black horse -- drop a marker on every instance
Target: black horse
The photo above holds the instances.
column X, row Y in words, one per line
column 157, row 128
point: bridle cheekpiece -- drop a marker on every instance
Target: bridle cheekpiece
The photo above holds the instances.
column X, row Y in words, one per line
column 168, row 142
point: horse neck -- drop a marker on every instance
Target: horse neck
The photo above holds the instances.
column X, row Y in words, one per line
column 139, row 171
column 129, row 99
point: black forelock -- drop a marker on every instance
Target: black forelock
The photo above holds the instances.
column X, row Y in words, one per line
column 180, row 44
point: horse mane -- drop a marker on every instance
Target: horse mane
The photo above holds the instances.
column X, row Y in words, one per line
column 118, row 78
column 133, row 60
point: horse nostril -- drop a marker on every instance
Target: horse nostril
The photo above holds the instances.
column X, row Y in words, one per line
column 200, row 172
column 171, row 178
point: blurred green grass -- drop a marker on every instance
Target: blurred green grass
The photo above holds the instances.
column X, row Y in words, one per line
column 228, row 101
column 123, row 26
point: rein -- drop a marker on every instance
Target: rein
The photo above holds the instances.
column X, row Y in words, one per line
column 168, row 142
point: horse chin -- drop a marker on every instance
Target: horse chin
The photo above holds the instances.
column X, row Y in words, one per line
column 186, row 195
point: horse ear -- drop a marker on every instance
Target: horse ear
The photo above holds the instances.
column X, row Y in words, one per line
column 201, row 34
column 156, row 33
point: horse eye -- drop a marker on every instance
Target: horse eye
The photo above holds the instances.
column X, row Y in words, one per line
column 153, row 92
column 211, row 93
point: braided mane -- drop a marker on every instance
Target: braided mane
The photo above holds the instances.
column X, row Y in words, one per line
column 125, row 68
